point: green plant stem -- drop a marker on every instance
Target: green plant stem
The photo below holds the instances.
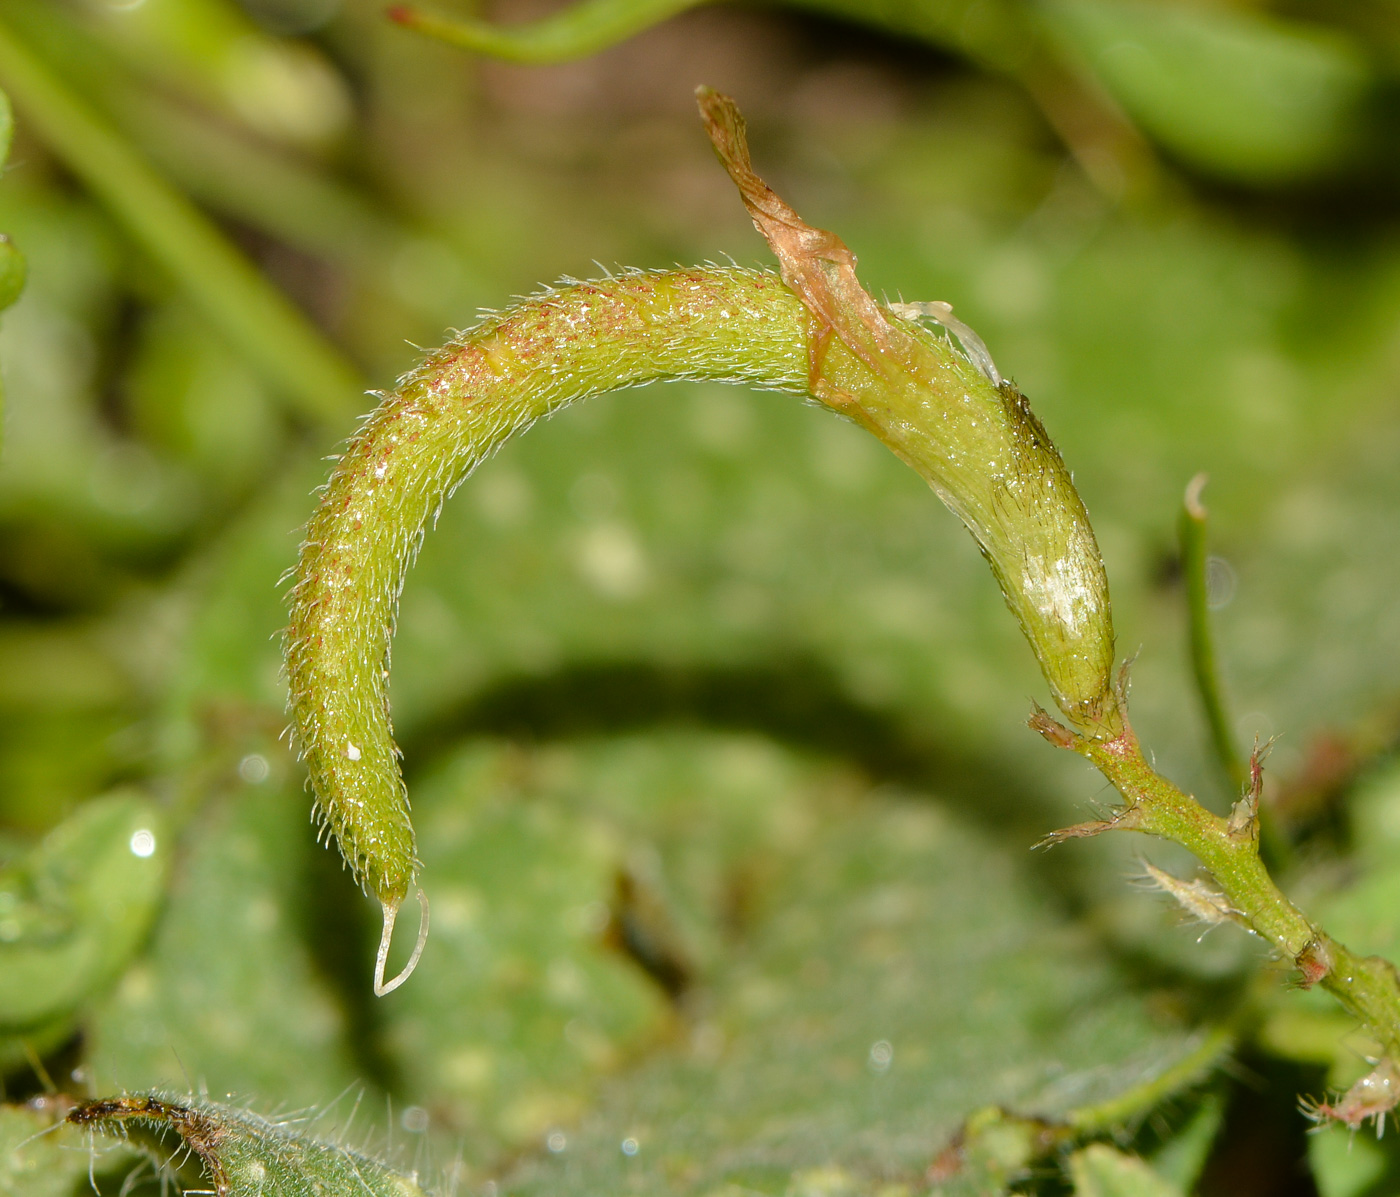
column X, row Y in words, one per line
column 255, row 316
column 1195, row 564
column 1195, row 567
column 1106, row 1116
column 818, row 332
column 297, row 202
column 1368, row 987
column 575, row 32
column 999, row 35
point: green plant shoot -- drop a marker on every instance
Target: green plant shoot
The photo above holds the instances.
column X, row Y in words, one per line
column 815, row 332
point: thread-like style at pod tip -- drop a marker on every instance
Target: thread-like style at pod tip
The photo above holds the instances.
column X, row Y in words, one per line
column 814, row 332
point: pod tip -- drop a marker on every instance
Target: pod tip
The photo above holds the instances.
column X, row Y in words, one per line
column 391, row 914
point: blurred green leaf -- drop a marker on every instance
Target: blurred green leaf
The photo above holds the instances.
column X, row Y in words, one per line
column 828, row 1034
column 1349, row 1163
column 230, row 995
column 1245, row 95
column 1102, row 1171
column 583, row 28
column 212, row 51
column 74, row 910
column 41, row 1156
column 197, row 401
column 1181, row 1159
column 67, row 731
column 269, row 330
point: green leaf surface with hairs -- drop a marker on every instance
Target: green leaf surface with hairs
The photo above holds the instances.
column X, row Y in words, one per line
column 240, row 1152
column 854, row 966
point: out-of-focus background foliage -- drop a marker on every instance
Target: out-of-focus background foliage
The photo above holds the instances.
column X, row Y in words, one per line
column 712, row 715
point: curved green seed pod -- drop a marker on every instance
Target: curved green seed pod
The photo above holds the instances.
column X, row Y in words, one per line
column 457, row 408
column 816, row 332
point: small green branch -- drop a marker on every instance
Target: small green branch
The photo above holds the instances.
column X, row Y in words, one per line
column 1141, row 1099
column 1195, row 565
column 1009, row 38
column 255, row 316
column 1368, row 987
column 997, row 1147
column 577, row 31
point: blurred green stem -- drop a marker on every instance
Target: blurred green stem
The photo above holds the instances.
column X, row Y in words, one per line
column 574, row 32
column 1121, row 1110
column 318, row 383
column 12, row 265
column 1195, row 567
column 999, row 35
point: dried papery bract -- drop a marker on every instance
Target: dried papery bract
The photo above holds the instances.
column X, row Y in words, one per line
column 971, row 435
column 817, row 332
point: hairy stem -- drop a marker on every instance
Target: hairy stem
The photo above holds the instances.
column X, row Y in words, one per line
column 975, row 442
column 1368, row 987
column 946, row 412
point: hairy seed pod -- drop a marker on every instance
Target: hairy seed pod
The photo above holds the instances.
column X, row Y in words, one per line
column 814, row 332
column 441, row 421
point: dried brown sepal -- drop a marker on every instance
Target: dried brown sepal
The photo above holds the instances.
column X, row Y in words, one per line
column 1314, row 962
column 1201, row 901
column 815, row 263
column 1244, row 815
column 1373, row 1097
column 1052, row 731
column 200, row 1132
column 1127, row 819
